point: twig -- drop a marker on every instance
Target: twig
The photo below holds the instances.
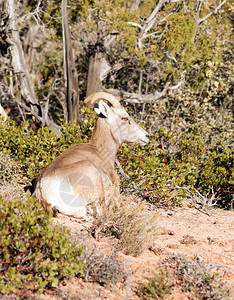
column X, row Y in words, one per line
column 125, row 175
column 207, row 201
column 200, row 20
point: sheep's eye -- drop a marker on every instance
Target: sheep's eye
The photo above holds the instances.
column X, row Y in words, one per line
column 125, row 119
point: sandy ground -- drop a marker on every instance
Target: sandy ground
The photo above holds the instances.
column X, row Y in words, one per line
column 181, row 231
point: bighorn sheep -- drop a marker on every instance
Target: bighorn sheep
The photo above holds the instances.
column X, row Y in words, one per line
column 78, row 181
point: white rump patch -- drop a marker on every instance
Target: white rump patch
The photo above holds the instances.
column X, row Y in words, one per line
column 69, row 197
column 60, row 193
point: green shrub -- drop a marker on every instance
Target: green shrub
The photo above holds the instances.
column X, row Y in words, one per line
column 169, row 161
column 155, row 287
column 182, row 161
column 217, row 172
column 167, row 158
column 33, row 253
column 34, row 150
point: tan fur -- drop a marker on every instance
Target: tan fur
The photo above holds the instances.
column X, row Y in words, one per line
column 83, row 179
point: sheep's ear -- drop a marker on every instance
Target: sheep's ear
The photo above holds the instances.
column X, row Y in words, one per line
column 102, row 109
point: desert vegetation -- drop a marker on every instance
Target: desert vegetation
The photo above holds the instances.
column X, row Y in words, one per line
column 193, row 276
column 170, row 63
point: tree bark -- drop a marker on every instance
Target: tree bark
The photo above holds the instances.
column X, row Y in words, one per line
column 21, row 71
column 70, row 73
column 94, row 73
column 18, row 59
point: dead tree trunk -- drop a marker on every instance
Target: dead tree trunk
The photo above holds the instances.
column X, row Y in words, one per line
column 18, row 59
column 21, row 71
column 70, row 74
column 94, row 73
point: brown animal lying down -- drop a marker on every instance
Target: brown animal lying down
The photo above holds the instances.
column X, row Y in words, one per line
column 83, row 179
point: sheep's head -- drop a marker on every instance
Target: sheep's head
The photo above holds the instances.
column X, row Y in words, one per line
column 122, row 126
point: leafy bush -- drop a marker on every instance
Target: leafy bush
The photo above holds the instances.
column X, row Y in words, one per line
column 169, row 161
column 33, row 253
column 217, row 172
column 157, row 286
column 166, row 158
column 34, row 150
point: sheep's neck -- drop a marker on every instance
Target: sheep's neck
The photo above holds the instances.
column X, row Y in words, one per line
column 104, row 141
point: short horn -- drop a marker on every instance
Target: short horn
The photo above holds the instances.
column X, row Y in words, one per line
column 102, row 95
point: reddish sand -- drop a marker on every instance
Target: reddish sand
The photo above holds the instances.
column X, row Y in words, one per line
column 182, row 231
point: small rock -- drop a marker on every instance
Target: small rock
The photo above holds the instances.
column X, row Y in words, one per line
column 170, row 232
column 168, row 213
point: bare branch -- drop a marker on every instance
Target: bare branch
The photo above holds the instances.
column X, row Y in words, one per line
column 207, row 200
column 125, row 175
column 136, row 97
column 121, row 169
column 135, row 4
column 148, row 24
column 34, row 14
column 200, row 20
column 3, row 113
column 134, row 24
column 139, row 98
column 166, row 17
column 151, row 19
column 44, row 120
column 174, row 87
column 27, row 108
column 109, row 40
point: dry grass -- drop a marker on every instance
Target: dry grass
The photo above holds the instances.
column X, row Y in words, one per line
column 103, row 268
column 194, row 277
column 132, row 223
column 12, row 181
